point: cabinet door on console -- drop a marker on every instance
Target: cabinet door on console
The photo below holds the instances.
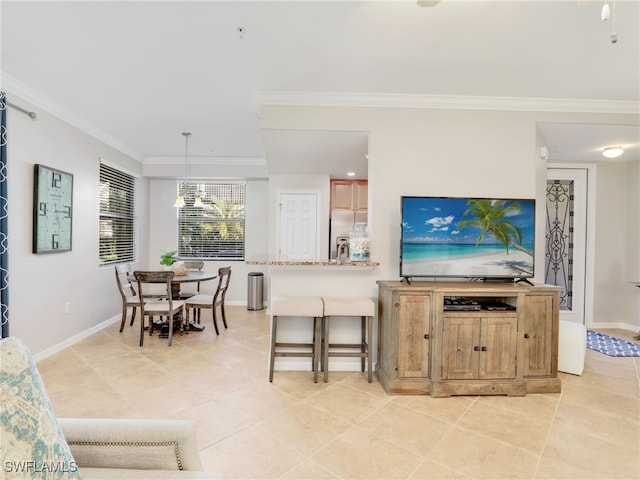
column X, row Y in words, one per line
column 460, row 359
column 414, row 336
column 479, row 348
column 538, row 322
column 498, row 347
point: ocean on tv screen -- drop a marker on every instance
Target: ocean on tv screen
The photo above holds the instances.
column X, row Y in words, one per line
column 467, row 237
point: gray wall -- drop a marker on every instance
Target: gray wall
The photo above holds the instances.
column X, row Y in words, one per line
column 41, row 285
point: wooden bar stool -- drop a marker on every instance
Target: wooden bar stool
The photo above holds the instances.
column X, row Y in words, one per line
column 296, row 307
column 362, row 307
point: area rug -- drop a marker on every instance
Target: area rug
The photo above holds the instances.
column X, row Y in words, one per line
column 612, row 346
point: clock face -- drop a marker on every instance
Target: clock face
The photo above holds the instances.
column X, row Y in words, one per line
column 52, row 210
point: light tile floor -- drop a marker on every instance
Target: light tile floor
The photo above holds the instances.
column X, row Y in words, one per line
column 292, row 428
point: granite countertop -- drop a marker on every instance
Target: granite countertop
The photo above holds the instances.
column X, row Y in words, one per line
column 283, row 261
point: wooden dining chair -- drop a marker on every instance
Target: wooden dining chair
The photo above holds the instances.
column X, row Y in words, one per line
column 193, row 288
column 151, row 304
column 127, row 293
column 212, row 301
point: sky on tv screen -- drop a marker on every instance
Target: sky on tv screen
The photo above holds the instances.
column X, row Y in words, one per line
column 435, row 221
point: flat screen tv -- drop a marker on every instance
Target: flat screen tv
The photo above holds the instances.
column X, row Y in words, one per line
column 474, row 238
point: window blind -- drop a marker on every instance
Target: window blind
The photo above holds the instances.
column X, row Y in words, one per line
column 214, row 230
column 118, row 241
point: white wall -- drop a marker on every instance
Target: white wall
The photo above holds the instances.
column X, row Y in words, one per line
column 617, row 244
column 412, row 151
column 632, row 253
column 40, row 285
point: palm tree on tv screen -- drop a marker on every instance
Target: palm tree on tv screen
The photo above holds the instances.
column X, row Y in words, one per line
column 490, row 218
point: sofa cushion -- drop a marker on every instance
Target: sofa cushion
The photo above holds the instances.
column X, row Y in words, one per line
column 32, row 444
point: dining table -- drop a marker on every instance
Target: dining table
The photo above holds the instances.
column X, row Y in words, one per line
column 189, row 277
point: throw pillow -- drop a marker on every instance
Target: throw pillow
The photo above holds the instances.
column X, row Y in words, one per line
column 32, row 444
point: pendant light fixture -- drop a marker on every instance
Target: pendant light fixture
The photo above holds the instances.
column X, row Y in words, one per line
column 179, row 203
column 607, row 13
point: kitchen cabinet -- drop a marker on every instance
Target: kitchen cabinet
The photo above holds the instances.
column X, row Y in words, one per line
column 426, row 348
column 349, row 195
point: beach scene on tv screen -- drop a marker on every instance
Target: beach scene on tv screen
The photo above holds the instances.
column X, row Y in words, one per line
column 464, row 237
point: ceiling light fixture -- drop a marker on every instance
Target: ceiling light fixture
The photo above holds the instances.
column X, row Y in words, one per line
column 351, row 174
column 613, row 152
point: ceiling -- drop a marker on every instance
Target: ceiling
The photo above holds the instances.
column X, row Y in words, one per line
column 137, row 74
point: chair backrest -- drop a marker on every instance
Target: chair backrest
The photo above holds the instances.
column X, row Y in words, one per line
column 224, row 277
column 125, row 287
column 147, row 279
column 194, row 264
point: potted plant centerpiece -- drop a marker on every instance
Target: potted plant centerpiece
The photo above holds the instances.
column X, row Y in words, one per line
column 170, row 262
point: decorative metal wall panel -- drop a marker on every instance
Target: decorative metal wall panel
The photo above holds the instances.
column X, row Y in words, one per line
column 559, row 239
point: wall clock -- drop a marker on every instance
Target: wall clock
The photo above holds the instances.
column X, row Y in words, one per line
column 52, row 210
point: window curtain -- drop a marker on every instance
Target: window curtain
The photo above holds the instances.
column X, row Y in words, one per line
column 4, row 219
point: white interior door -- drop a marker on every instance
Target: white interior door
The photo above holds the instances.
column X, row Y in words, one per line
column 298, row 226
column 566, row 239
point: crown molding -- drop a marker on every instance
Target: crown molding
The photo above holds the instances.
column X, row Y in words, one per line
column 341, row 99
column 210, row 161
column 10, row 84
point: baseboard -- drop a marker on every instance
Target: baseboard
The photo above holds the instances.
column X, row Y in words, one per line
column 75, row 339
column 619, row 325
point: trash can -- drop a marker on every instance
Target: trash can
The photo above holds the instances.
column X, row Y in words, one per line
column 254, row 291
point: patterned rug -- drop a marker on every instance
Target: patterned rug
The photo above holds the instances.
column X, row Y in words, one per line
column 612, row 346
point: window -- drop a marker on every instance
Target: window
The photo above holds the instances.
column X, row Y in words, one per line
column 117, row 216
column 214, row 230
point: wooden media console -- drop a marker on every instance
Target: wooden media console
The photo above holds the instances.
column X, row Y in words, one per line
column 504, row 343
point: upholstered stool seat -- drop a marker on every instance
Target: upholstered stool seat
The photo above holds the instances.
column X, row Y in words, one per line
column 362, row 307
column 311, row 307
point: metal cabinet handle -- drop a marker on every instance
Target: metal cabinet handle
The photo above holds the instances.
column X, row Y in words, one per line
column 426, row 336
column 476, row 348
column 526, row 335
column 484, row 349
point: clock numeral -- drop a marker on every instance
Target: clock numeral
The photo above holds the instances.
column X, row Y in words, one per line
column 42, row 208
column 54, row 241
column 56, row 180
column 67, row 211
